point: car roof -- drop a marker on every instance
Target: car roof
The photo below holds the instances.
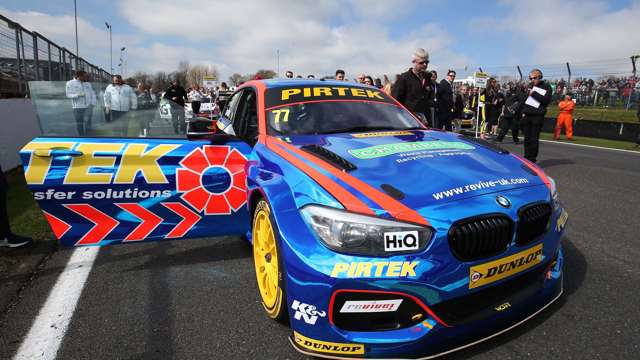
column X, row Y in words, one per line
column 277, row 83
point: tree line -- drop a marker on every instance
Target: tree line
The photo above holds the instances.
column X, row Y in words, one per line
column 188, row 75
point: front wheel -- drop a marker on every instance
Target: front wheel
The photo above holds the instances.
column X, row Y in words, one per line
column 268, row 262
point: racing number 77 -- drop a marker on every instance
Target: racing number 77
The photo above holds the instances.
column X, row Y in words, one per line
column 277, row 113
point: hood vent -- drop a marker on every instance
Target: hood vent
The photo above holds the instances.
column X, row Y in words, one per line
column 392, row 191
column 485, row 144
column 330, row 157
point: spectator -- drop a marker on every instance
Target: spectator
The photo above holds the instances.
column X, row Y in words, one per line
column 491, row 110
column 565, row 118
column 446, row 102
column 413, row 87
column 433, row 104
column 386, row 86
column 289, row 74
column 8, row 238
column 377, row 83
column 459, row 102
column 310, row 76
column 83, row 98
column 224, row 86
column 119, row 98
column 511, row 113
column 533, row 111
column 361, row 78
column 196, row 96
column 144, row 102
column 368, row 80
column 340, row 75
column 178, row 96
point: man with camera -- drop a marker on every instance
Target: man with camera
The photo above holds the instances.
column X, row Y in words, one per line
column 533, row 111
column 413, row 88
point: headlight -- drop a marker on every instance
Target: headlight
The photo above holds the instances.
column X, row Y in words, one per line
column 554, row 189
column 357, row 234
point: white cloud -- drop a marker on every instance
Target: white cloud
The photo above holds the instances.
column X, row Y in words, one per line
column 93, row 42
column 313, row 37
column 575, row 30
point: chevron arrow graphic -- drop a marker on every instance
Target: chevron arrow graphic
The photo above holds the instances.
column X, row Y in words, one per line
column 104, row 223
column 150, row 221
column 189, row 219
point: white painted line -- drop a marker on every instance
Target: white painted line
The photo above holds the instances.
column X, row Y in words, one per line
column 50, row 326
column 591, row 146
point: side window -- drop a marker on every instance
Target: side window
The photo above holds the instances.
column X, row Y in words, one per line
column 232, row 105
column 246, row 122
column 78, row 108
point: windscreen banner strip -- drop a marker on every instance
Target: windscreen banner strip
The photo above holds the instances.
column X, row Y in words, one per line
column 286, row 95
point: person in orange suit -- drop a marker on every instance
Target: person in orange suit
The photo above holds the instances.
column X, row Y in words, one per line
column 565, row 118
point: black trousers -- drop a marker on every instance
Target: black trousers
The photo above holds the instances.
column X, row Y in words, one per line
column 123, row 126
column 5, row 230
column 195, row 106
column 531, row 126
column 78, row 114
column 506, row 124
column 444, row 120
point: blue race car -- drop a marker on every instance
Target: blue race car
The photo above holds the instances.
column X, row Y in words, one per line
column 372, row 236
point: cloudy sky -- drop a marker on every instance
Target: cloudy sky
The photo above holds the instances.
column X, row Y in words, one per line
column 316, row 37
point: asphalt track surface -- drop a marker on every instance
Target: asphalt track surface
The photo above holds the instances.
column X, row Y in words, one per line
column 198, row 299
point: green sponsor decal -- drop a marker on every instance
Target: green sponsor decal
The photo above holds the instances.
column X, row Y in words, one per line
column 390, row 149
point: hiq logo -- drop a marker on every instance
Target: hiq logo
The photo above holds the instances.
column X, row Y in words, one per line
column 401, row 241
column 309, row 313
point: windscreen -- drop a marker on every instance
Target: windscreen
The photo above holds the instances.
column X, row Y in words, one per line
column 333, row 109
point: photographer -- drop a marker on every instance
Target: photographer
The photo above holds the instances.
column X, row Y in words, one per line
column 533, row 111
column 413, row 88
column 511, row 114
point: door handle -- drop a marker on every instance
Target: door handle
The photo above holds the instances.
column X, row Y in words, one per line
column 57, row 151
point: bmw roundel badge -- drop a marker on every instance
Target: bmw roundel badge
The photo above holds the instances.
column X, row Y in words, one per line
column 503, row 201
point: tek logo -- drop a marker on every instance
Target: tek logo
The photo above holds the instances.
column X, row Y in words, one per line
column 401, row 241
column 309, row 313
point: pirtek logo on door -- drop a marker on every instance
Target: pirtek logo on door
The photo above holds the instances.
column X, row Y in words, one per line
column 135, row 159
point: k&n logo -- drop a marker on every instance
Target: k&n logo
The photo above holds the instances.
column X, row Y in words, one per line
column 309, row 313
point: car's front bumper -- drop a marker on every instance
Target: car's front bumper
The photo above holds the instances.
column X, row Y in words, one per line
column 430, row 338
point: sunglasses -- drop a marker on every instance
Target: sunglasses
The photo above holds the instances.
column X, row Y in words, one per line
column 422, row 62
column 534, row 78
column 452, row 75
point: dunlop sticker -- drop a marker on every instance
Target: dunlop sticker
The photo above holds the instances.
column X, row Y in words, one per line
column 381, row 134
column 377, row 151
column 487, row 273
column 328, row 347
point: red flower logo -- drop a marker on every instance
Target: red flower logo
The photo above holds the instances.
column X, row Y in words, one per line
column 213, row 179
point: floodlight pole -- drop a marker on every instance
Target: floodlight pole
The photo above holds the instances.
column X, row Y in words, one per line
column 110, row 47
column 75, row 14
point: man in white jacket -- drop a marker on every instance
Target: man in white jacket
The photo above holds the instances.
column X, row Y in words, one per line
column 83, row 98
column 119, row 98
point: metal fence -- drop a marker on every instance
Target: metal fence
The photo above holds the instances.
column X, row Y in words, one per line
column 609, row 83
column 28, row 56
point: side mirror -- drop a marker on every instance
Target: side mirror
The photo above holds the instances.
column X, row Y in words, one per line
column 200, row 127
column 225, row 125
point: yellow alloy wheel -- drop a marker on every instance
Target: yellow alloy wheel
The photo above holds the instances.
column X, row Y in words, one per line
column 265, row 259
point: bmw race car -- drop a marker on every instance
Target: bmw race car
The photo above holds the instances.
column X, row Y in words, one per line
column 372, row 236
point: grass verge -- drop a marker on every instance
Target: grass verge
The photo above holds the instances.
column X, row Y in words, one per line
column 25, row 215
column 613, row 144
column 599, row 114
